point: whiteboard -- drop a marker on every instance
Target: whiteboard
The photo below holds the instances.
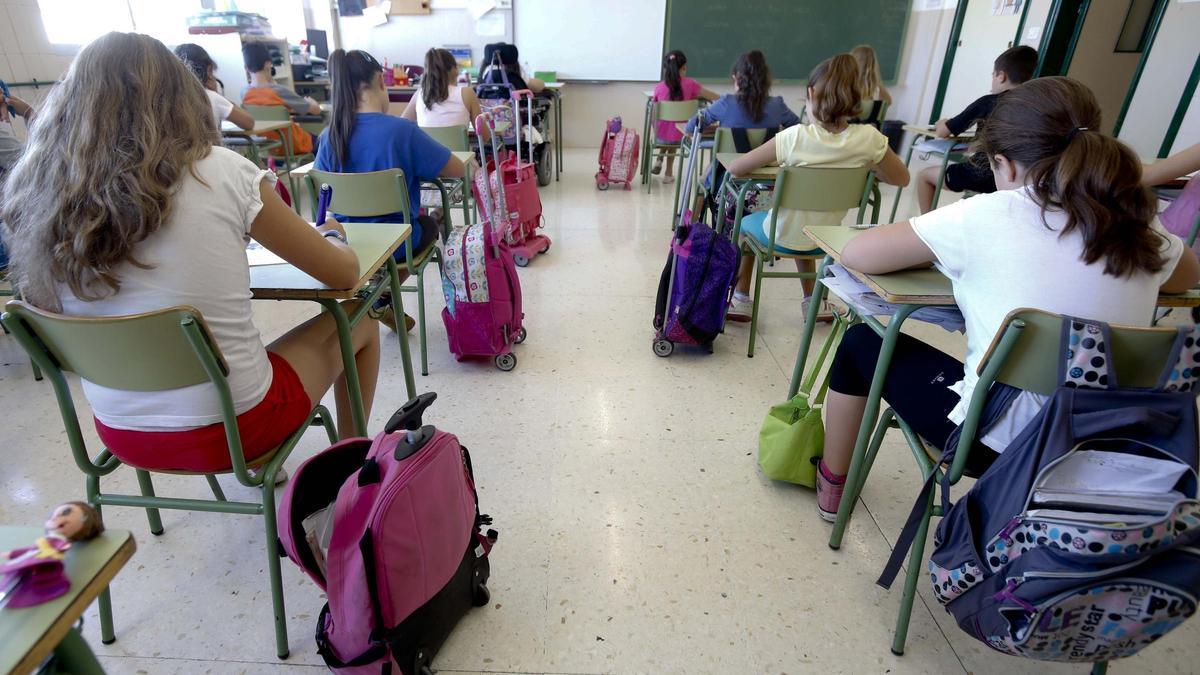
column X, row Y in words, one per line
column 591, row 39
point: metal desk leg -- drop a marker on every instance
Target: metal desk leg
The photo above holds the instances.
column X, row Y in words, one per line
column 854, row 482
column 558, row 142
column 810, row 327
column 398, row 311
column 646, row 143
column 907, row 161
column 349, row 366
column 937, row 189
column 75, row 656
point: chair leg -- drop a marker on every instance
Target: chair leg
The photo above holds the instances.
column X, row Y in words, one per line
column 156, row 527
column 107, row 632
column 268, row 501
column 421, row 320
column 1100, row 668
column 856, row 480
column 912, row 575
column 754, row 304
column 37, row 372
column 215, row 487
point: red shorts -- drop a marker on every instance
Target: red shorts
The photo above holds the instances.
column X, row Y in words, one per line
column 262, row 428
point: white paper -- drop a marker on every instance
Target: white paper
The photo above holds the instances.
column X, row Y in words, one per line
column 492, row 25
column 258, row 256
column 866, row 302
column 378, row 14
column 478, row 8
column 940, row 146
column 1112, row 472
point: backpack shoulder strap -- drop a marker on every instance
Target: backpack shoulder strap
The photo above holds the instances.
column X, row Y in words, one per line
column 741, row 139
column 1182, row 373
column 1084, row 359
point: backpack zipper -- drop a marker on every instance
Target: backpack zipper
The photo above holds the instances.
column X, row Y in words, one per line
column 466, row 272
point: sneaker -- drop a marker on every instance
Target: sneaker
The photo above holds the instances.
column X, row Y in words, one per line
column 657, row 168
column 668, row 179
column 386, row 317
column 824, row 314
column 281, row 475
column 739, row 310
column 829, row 493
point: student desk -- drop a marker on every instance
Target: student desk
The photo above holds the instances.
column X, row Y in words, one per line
column 921, row 133
column 29, row 634
column 737, row 188
column 911, row 290
column 374, row 244
column 231, row 131
column 554, row 92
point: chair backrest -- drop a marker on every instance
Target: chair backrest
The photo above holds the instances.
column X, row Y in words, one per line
column 546, row 75
column 723, row 141
column 807, row 188
column 364, row 195
column 269, row 113
column 1139, row 355
column 676, row 111
column 872, row 110
column 138, row 352
column 454, row 138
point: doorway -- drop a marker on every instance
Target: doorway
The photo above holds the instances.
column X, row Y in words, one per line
column 984, row 33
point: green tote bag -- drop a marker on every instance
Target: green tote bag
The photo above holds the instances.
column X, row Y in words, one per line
column 792, row 437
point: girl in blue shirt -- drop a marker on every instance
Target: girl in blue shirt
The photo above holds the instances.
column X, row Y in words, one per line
column 751, row 105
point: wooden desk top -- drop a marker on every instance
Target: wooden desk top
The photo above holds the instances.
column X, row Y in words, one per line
column 29, row 634
column 761, row 173
column 303, row 170
column 928, row 286
column 260, row 128
column 373, row 243
column 928, row 130
column 554, row 86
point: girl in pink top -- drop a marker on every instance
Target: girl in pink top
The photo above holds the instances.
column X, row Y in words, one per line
column 675, row 86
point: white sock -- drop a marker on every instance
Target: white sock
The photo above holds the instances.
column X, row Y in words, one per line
column 741, row 297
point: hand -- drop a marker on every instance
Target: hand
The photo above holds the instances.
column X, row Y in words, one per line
column 4, row 116
column 942, row 130
column 331, row 225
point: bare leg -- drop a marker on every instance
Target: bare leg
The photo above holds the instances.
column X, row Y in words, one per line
column 843, row 416
column 806, row 265
column 313, row 351
column 670, row 163
column 926, row 186
column 745, row 274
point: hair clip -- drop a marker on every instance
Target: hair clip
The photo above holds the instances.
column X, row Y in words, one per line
column 1074, row 132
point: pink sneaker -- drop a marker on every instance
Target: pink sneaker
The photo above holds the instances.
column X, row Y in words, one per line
column 829, row 492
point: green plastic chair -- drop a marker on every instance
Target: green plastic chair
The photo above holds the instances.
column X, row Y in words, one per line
column 957, row 153
column 804, row 189
column 457, row 140
column 382, row 193
column 279, row 113
column 546, row 75
column 166, row 349
column 664, row 111
column 1024, row 354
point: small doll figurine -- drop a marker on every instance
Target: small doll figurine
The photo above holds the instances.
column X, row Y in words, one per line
column 35, row 574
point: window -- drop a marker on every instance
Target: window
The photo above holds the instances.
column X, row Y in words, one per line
column 1136, row 29
column 77, row 23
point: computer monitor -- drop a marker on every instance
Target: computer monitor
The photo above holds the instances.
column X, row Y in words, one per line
column 320, row 46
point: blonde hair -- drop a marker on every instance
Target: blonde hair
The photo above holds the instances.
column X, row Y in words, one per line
column 97, row 180
column 870, row 79
column 836, row 96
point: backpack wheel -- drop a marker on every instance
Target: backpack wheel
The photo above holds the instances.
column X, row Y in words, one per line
column 663, row 347
column 506, row 362
column 481, row 596
column 545, row 166
column 602, row 186
column 521, row 335
column 520, row 260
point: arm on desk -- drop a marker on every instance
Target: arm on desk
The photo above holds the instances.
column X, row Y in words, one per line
column 1180, row 164
column 1185, row 274
column 891, row 170
column 278, row 228
column 942, row 130
column 241, row 118
column 887, row 248
column 756, row 158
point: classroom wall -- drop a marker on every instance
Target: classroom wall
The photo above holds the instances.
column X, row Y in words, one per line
column 1167, row 68
column 26, row 54
column 1035, row 23
column 1095, row 63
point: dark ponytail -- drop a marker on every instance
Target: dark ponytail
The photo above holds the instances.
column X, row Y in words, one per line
column 1051, row 127
column 196, row 59
column 349, row 73
column 435, row 83
column 673, row 62
column 753, row 79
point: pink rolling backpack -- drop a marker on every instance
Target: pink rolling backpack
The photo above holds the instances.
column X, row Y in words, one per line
column 390, row 529
column 618, row 155
column 479, row 281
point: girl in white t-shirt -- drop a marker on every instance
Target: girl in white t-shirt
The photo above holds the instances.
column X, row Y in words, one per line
column 441, row 101
column 205, row 69
column 163, row 222
column 1071, row 230
column 830, row 141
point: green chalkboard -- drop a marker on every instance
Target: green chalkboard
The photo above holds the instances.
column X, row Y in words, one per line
column 795, row 35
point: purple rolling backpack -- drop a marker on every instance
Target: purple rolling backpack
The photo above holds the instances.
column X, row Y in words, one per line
column 1081, row 543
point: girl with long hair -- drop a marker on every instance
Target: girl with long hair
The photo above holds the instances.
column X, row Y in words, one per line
column 441, row 102
column 198, row 61
column 829, row 140
column 1071, row 229
column 675, row 86
column 115, row 213
column 870, row 79
column 751, row 106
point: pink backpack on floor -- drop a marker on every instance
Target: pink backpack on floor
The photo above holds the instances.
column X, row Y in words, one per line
column 618, row 155
column 390, row 529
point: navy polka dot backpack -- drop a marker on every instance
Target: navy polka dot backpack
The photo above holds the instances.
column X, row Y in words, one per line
column 1082, row 541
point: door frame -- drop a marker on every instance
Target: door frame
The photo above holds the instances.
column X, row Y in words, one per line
column 960, row 15
column 1185, row 102
column 1155, row 24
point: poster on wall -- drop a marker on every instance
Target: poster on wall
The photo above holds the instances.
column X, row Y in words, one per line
column 1006, row 7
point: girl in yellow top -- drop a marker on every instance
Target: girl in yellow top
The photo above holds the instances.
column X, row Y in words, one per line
column 830, row 141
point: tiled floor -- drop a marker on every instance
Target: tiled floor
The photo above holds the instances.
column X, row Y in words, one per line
column 637, row 535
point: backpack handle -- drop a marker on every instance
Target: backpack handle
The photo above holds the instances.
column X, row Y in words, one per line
column 409, row 415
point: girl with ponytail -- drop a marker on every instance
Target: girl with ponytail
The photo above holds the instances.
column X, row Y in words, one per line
column 363, row 137
column 1071, row 230
column 751, row 106
column 675, row 86
column 441, row 102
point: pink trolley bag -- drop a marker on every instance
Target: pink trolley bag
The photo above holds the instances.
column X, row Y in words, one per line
column 524, row 213
column 618, row 155
column 483, row 313
column 390, row 529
